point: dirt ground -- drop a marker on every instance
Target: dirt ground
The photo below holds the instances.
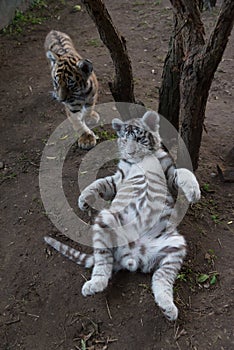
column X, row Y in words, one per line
column 41, row 306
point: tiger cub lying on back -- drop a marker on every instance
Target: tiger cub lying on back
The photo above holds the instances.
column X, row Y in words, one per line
column 137, row 231
column 75, row 84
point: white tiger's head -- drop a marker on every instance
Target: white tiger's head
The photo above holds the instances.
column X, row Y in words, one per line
column 138, row 137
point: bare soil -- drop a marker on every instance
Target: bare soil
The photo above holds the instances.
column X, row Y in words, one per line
column 41, row 306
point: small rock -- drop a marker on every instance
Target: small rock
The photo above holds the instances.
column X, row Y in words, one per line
column 1, row 165
column 213, row 174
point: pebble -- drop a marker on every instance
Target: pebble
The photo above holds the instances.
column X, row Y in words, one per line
column 1, row 165
column 213, row 174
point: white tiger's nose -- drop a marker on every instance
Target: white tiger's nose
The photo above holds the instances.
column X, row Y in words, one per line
column 130, row 146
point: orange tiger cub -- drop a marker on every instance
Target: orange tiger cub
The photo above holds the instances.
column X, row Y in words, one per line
column 75, row 85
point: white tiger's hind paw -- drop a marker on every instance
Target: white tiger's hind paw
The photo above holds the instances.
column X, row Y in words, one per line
column 194, row 195
column 165, row 302
column 171, row 312
column 95, row 285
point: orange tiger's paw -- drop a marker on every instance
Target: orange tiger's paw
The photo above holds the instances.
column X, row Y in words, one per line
column 87, row 141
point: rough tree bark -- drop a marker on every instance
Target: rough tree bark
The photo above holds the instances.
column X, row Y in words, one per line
column 122, row 87
column 169, row 95
column 200, row 61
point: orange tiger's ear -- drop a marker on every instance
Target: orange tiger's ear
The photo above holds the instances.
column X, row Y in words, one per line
column 117, row 124
column 151, row 120
column 86, row 67
column 52, row 57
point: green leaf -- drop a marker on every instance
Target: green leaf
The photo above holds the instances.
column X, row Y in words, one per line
column 206, row 187
column 213, row 280
column 83, row 344
column 202, row 278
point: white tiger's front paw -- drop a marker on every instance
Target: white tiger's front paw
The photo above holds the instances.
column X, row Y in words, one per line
column 187, row 182
column 83, row 202
column 95, row 285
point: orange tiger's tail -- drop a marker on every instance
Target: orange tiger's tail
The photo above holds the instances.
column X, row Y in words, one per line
column 83, row 259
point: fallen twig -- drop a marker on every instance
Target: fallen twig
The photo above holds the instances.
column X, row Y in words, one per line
column 12, row 321
column 108, row 310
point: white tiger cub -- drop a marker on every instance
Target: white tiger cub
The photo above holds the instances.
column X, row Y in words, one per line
column 136, row 231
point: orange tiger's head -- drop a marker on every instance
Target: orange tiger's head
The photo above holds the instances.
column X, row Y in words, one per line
column 69, row 75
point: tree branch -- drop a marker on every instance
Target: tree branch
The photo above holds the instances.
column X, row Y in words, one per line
column 122, row 87
column 189, row 17
column 214, row 49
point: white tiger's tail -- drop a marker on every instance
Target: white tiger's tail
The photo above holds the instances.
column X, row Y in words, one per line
column 83, row 259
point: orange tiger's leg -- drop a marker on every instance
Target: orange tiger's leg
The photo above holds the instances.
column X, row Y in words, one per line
column 86, row 137
column 90, row 116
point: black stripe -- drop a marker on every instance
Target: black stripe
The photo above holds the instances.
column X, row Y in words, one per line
column 126, row 161
column 74, row 110
column 122, row 173
column 114, row 185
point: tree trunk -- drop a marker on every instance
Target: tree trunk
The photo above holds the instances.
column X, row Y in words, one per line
column 200, row 64
column 122, row 87
column 169, row 96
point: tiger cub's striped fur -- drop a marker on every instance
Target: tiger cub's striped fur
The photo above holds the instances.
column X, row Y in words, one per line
column 75, row 84
column 137, row 232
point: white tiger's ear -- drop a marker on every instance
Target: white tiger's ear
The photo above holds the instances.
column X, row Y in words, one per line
column 117, row 124
column 52, row 57
column 86, row 67
column 151, row 120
